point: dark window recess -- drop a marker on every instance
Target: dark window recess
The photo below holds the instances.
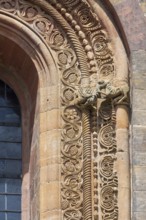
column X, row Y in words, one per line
column 10, row 155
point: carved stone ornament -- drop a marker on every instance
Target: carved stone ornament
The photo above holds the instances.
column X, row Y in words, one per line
column 103, row 90
column 77, row 37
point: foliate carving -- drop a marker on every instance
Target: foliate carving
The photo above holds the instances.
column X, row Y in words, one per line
column 72, row 214
column 8, row 5
column 72, row 163
column 106, row 186
column 107, row 137
column 93, row 37
column 108, row 180
column 72, row 149
column 92, row 54
column 106, row 165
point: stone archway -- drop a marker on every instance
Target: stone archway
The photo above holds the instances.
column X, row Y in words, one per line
column 76, row 48
column 25, row 69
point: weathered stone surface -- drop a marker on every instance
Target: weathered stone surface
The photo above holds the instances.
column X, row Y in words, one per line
column 139, row 82
column 50, row 120
column 138, row 117
column 139, row 198
column 54, row 215
column 139, row 178
column 143, row 5
column 139, row 139
column 50, row 173
column 139, row 216
column 133, row 21
column 124, row 212
column 139, row 158
column 138, row 100
column 138, row 59
column 50, row 201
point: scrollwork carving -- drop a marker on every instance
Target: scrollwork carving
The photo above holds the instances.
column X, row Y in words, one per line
column 108, row 198
column 106, row 165
column 73, row 215
column 71, row 151
column 108, row 180
column 82, row 49
column 107, row 138
column 8, row 5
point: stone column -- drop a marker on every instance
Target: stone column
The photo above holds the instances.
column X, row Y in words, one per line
column 123, row 168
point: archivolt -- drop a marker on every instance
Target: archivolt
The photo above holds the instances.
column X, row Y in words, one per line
column 80, row 46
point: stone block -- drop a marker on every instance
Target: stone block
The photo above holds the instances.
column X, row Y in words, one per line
column 53, row 192
column 53, row 119
column 139, row 158
column 50, row 120
column 124, row 212
column 139, row 138
column 49, row 196
column 139, row 99
column 43, row 122
column 139, row 61
column 43, row 145
column 139, row 82
column 139, row 198
column 43, row 197
column 50, row 147
column 138, row 117
column 49, row 98
column 50, row 173
column 52, row 215
column 53, row 146
column 139, row 178
column 139, row 216
column 123, row 167
column 122, row 138
column 53, row 172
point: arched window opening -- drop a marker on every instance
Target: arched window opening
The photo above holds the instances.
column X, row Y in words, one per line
column 10, row 154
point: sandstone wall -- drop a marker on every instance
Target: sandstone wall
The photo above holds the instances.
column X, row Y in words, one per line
column 134, row 25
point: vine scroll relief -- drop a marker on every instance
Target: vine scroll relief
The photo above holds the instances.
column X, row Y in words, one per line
column 99, row 141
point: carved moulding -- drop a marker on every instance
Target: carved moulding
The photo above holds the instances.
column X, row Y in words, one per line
column 104, row 144
column 85, row 69
column 68, row 66
column 83, row 50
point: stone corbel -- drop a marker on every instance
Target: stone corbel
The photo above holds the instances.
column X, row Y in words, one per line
column 87, row 96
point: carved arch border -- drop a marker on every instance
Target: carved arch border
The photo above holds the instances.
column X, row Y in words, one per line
column 97, row 49
column 42, row 60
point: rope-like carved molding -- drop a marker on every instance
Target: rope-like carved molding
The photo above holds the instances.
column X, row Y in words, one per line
column 87, row 34
column 92, row 35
